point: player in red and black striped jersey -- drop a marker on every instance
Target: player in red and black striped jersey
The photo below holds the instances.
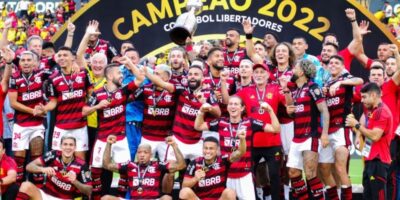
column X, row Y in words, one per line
column 67, row 176
column 233, row 53
column 339, row 92
column 176, row 59
column 206, row 176
column 68, row 92
column 159, row 111
column 190, row 99
column 240, row 178
column 110, row 104
column 25, row 93
column 303, row 154
column 218, row 80
column 144, row 176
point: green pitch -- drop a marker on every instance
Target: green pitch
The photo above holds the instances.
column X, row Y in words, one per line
column 356, row 169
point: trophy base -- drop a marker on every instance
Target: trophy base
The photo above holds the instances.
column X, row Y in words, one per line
column 179, row 35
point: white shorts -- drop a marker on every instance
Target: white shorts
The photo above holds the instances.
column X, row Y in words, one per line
column 119, row 152
column 22, row 136
column 80, row 134
column 336, row 139
column 46, row 196
column 243, row 187
column 156, row 147
column 287, row 133
column 295, row 157
column 189, row 151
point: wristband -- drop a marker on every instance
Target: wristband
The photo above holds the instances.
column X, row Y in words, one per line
column 357, row 126
column 9, row 63
column 353, row 20
column 249, row 36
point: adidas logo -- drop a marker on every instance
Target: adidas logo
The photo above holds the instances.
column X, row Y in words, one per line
column 62, row 83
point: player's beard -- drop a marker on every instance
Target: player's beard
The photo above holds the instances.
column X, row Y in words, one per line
column 389, row 73
column 294, row 78
column 219, row 68
column 194, row 87
column 229, row 42
column 116, row 82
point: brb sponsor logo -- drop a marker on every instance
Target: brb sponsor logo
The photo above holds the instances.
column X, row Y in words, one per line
column 113, row 111
column 210, row 181
column 187, row 109
column 31, row 95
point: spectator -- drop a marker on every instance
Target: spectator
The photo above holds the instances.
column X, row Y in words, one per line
column 23, row 6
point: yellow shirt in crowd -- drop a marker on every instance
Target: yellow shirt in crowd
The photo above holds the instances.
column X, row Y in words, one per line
column 97, row 83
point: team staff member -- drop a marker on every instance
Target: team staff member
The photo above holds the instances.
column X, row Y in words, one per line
column 144, row 176
column 265, row 145
column 110, row 102
column 309, row 103
column 206, row 176
column 8, row 175
column 240, row 178
column 28, row 132
column 378, row 133
column 339, row 92
column 67, row 176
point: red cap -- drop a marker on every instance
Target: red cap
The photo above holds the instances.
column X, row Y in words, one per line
column 264, row 66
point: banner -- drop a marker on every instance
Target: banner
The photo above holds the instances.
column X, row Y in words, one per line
column 147, row 23
column 41, row 5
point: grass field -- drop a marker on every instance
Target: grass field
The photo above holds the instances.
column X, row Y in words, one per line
column 356, row 169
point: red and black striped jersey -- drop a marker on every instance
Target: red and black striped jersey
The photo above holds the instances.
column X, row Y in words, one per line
column 179, row 78
column 159, row 112
column 30, row 94
column 339, row 106
column 307, row 116
column 187, row 108
column 145, row 178
column 214, row 84
column 229, row 142
column 214, row 183
column 111, row 119
column 58, row 185
column 70, row 91
column 233, row 59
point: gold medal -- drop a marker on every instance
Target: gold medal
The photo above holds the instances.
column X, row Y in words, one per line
column 204, row 168
column 139, row 190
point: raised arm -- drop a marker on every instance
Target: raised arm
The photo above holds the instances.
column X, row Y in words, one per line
column 70, row 34
column 158, row 81
column 396, row 75
column 180, row 163
column 4, row 40
column 238, row 153
column 199, row 123
column 274, row 126
column 90, row 30
column 8, row 56
column 251, row 53
column 356, row 44
column 107, row 164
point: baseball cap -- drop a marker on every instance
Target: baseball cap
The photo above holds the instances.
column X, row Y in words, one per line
column 264, row 66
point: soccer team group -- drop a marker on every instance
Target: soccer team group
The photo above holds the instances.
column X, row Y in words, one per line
column 227, row 122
